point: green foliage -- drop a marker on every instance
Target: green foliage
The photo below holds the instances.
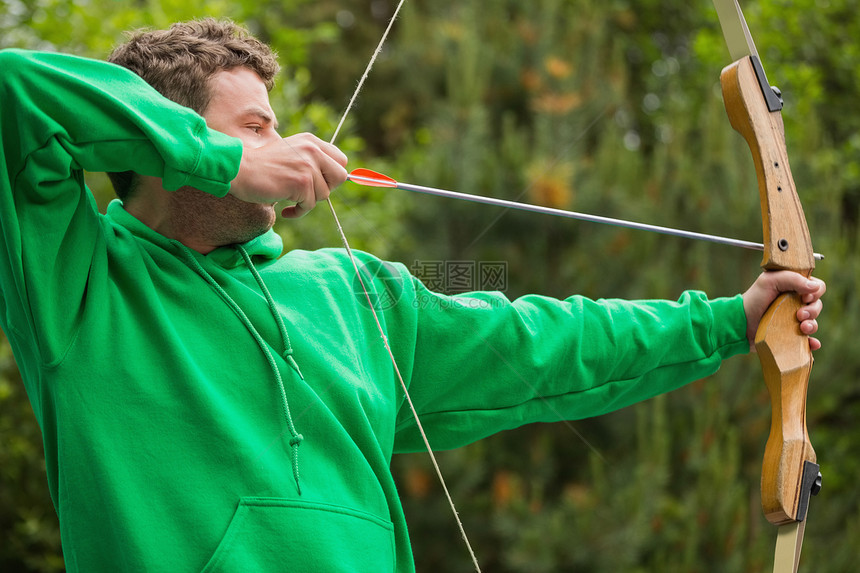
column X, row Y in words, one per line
column 28, row 524
column 607, row 107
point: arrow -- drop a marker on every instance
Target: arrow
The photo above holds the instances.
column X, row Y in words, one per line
column 371, row 178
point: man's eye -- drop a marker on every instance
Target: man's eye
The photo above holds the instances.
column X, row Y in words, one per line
column 256, row 128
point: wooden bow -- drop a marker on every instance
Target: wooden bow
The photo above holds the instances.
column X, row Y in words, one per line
column 789, row 472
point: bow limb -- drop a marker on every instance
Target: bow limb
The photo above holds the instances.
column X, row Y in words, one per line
column 789, row 471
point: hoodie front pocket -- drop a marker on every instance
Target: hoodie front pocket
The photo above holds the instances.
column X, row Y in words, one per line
column 271, row 534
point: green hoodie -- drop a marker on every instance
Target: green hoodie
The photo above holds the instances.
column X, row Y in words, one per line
column 237, row 411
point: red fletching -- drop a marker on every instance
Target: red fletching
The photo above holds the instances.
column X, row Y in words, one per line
column 371, row 178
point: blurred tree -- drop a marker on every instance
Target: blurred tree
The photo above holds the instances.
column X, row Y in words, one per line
column 611, row 107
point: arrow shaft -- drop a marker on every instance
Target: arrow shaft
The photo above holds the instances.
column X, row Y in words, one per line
column 568, row 214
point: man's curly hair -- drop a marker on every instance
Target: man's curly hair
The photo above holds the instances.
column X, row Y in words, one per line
column 179, row 62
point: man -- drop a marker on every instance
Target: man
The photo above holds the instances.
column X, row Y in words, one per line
column 206, row 404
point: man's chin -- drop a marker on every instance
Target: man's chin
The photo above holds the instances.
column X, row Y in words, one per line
column 225, row 220
column 269, row 216
column 260, row 215
column 257, row 221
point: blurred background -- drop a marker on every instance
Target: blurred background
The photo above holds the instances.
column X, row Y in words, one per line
column 610, row 107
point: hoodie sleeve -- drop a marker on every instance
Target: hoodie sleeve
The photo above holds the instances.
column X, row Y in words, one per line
column 484, row 364
column 61, row 115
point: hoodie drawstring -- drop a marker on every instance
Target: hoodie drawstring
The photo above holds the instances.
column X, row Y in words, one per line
column 295, row 437
column 285, row 337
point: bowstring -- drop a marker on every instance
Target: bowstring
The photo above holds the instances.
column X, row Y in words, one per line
column 371, row 305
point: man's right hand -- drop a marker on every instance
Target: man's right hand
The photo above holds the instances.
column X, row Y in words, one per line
column 302, row 169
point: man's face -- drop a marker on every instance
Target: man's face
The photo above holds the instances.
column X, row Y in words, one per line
column 239, row 107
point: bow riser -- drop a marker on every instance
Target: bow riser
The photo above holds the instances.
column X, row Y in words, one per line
column 782, row 348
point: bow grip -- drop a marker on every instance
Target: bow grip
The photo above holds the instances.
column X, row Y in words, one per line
column 783, row 350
